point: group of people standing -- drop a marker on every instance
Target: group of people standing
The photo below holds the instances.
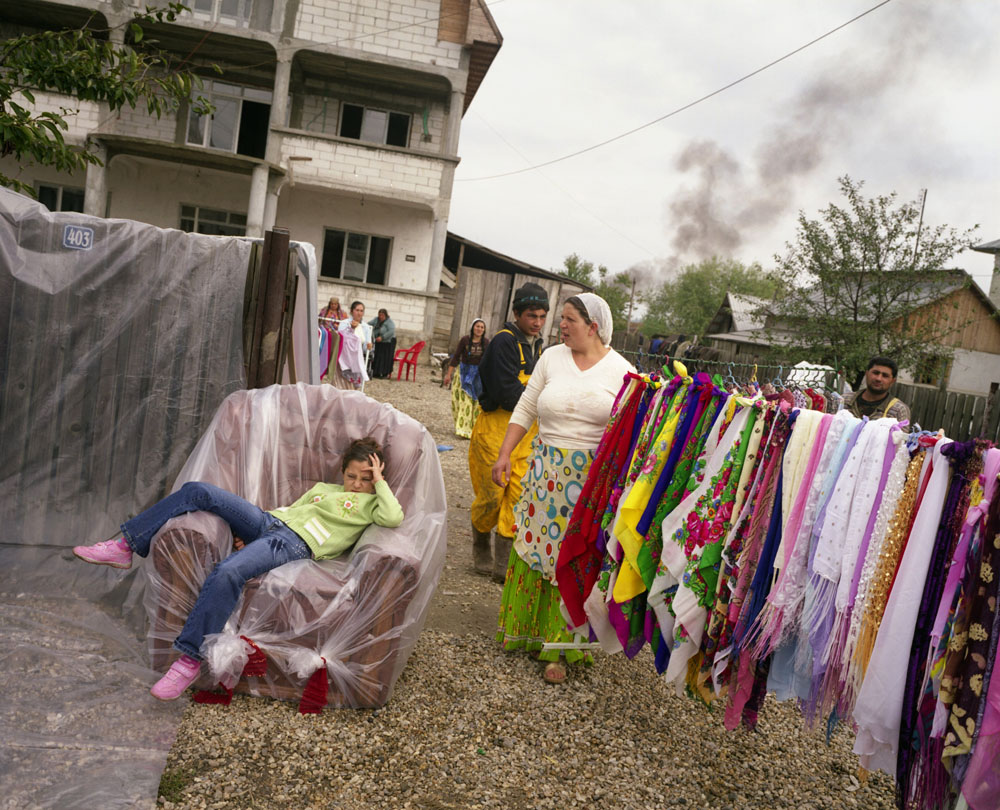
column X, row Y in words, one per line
column 377, row 335
column 539, row 421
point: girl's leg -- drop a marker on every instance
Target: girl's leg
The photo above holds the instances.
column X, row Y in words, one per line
column 276, row 545
column 246, row 520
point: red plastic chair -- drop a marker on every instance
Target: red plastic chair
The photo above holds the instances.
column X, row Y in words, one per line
column 408, row 358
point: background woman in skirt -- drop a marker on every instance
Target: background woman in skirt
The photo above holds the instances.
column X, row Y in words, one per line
column 571, row 392
column 465, row 386
column 384, row 338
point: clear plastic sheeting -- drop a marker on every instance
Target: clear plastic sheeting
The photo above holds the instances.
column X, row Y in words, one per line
column 118, row 341
column 80, row 727
column 358, row 615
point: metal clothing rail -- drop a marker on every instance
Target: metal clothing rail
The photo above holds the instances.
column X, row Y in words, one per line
column 785, row 375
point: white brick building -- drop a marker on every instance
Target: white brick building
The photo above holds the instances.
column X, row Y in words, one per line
column 336, row 119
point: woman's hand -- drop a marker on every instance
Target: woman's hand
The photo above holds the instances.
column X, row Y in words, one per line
column 376, row 466
column 501, row 470
column 378, row 340
column 238, row 543
column 447, row 376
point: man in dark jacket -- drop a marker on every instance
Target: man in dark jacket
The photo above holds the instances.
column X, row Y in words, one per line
column 504, row 371
column 874, row 400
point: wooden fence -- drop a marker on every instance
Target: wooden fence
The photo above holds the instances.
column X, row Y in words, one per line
column 961, row 416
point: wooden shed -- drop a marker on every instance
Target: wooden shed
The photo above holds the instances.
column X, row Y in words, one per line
column 484, row 285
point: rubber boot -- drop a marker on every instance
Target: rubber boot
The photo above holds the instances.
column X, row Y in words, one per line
column 482, row 559
column 501, row 556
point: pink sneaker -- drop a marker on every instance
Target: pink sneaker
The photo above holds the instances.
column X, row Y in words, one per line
column 182, row 673
column 115, row 553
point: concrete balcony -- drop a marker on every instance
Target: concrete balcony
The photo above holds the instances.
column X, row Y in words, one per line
column 377, row 171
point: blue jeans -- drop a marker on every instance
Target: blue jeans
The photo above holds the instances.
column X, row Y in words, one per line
column 269, row 543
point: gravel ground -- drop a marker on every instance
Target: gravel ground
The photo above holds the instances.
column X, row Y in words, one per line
column 472, row 727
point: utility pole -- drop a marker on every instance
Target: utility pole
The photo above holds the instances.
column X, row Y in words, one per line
column 631, row 299
column 920, row 225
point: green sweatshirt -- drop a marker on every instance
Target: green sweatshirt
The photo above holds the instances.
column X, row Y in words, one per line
column 330, row 520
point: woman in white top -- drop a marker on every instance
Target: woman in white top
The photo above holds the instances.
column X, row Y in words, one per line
column 571, row 392
column 354, row 356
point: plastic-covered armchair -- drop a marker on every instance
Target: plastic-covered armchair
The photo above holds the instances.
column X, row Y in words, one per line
column 359, row 615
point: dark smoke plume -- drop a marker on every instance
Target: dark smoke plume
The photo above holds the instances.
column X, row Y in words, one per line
column 728, row 201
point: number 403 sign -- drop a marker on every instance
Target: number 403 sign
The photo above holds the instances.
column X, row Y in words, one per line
column 78, row 237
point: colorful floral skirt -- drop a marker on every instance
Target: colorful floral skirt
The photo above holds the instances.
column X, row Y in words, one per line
column 530, row 615
column 464, row 409
column 530, row 610
column 552, row 485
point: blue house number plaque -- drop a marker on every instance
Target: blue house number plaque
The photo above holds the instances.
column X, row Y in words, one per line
column 78, row 237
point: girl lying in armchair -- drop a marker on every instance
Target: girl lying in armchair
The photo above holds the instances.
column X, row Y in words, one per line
column 326, row 521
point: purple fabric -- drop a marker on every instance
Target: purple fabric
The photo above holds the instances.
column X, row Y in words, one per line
column 981, row 782
column 958, row 455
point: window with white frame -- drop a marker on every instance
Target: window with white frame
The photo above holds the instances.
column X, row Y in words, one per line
column 355, row 256
column 211, row 221
column 60, row 198
column 374, row 125
column 233, row 12
column 238, row 124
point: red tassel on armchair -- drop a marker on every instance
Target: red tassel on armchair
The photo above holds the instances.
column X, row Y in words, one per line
column 314, row 695
column 256, row 666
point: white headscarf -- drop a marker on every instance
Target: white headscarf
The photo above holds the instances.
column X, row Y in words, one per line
column 600, row 313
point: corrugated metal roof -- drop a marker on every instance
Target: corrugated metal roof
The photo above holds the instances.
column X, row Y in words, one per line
column 988, row 247
column 743, row 308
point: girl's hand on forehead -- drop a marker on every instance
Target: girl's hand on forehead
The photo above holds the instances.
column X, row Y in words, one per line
column 376, row 466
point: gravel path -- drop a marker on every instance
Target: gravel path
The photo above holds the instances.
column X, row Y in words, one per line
column 472, row 727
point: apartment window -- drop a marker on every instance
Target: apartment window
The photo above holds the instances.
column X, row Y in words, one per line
column 213, row 222
column 355, row 256
column 233, row 12
column 60, row 198
column 239, row 123
column 374, row 126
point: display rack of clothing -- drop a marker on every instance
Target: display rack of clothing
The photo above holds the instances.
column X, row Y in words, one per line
column 758, row 542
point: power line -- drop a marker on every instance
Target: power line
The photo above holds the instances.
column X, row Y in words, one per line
column 681, row 109
column 605, row 223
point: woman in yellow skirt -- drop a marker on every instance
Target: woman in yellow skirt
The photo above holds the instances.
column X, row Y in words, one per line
column 465, row 386
column 571, row 393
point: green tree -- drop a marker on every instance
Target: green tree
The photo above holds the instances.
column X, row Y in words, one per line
column 686, row 304
column 579, row 270
column 854, row 282
column 85, row 64
column 616, row 289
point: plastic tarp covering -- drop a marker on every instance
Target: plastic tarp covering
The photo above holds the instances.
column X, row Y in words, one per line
column 360, row 612
column 118, row 341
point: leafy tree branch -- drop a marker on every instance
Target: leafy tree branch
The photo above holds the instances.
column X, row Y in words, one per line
column 84, row 63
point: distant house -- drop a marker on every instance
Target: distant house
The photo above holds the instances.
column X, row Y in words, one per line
column 478, row 282
column 736, row 330
column 949, row 299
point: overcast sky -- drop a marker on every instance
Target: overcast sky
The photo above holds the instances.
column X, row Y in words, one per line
column 905, row 98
